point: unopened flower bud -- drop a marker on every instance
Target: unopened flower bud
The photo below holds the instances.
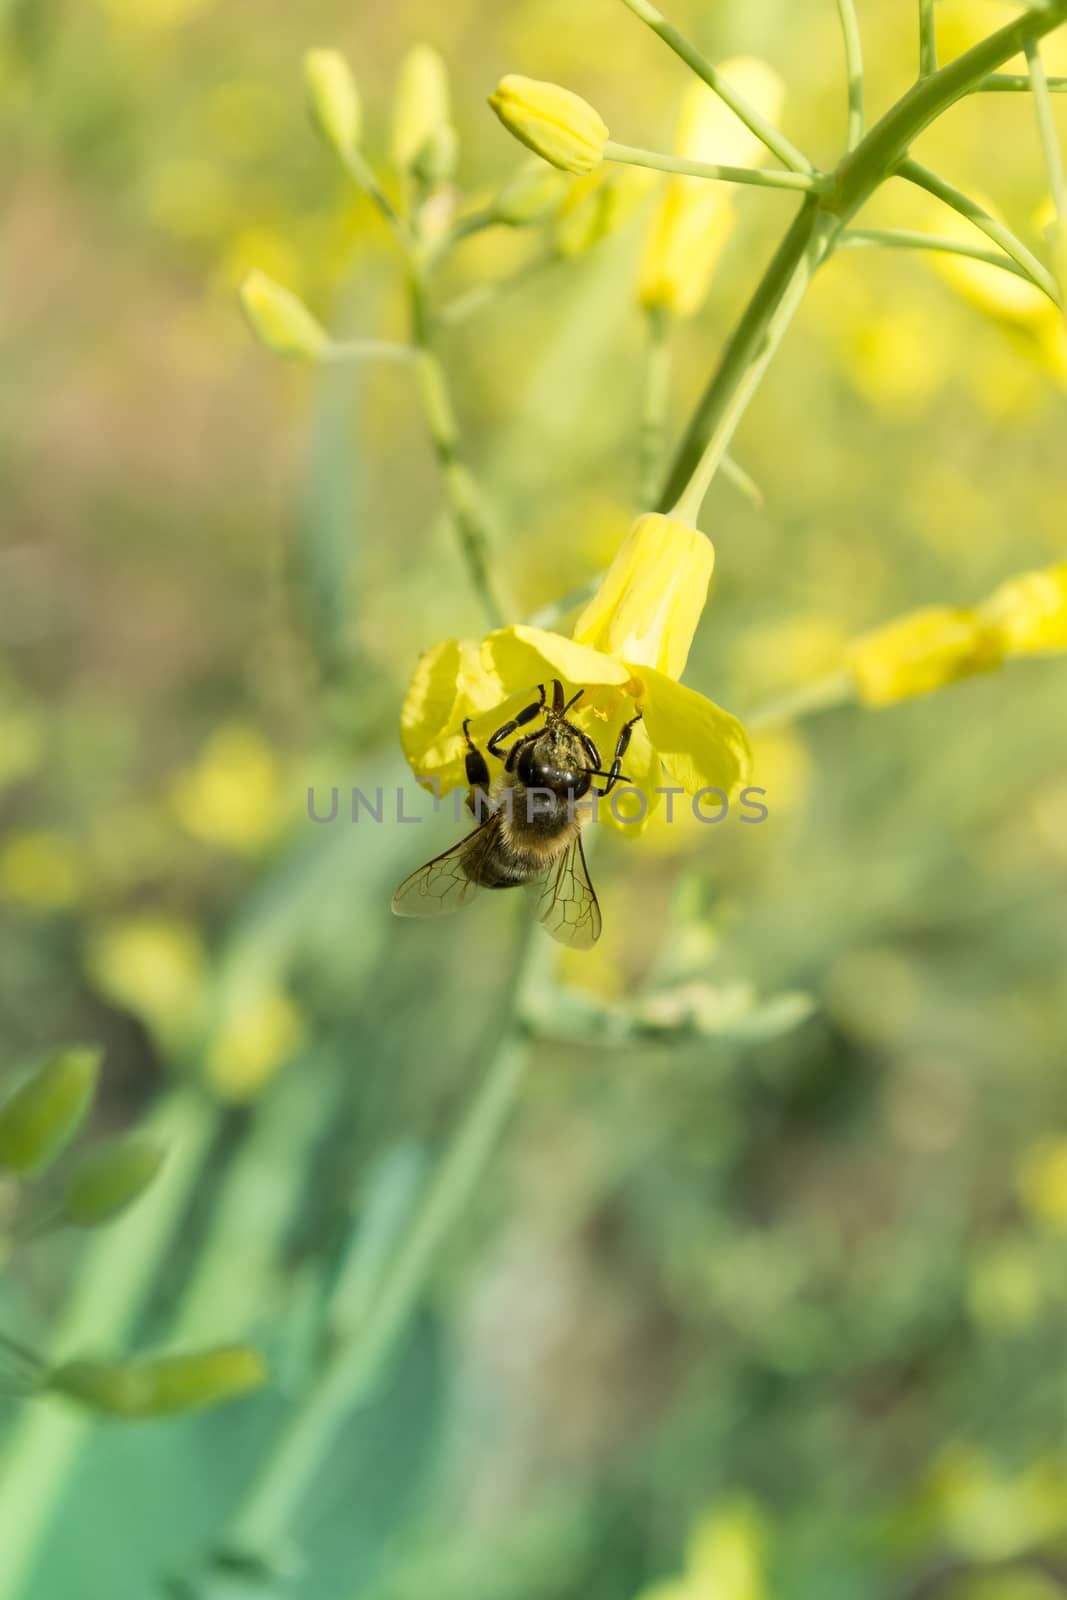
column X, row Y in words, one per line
column 108, row 1179
column 156, row 1388
column 534, row 192
column 279, row 320
column 558, row 125
column 333, row 99
column 46, row 1111
column 422, row 111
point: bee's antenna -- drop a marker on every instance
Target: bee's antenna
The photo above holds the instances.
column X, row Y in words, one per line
column 573, row 701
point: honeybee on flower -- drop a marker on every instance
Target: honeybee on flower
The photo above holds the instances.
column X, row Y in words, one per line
column 617, row 676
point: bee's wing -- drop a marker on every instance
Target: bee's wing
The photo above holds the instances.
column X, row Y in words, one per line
column 443, row 885
column 565, row 902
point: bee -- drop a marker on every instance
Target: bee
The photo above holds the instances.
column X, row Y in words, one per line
column 529, row 829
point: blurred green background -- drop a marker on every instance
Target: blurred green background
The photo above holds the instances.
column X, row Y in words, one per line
column 792, row 1276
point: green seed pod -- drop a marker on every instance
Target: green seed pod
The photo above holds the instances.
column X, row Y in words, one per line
column 333, row 99
column 279, row 320
column 157, row 1388
column 534, row 192
column 422, row 111
column 109, row 1178
column 47, row 1110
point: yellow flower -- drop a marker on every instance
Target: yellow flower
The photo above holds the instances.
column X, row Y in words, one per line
column 1028, row 614
column 937, row 645
column 726, row 1558
column 921, row 651
column 333, row 99
column 279, row 320
column 258, row 1033
column 1043, row 1181
column 695, row 217
column 598, row 205
column 154, row 967
column 627, row 653
column 555, row 123
column 231, row 796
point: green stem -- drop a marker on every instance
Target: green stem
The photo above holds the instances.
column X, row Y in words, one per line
column 850, row 29
column 361, row 172
column 439, row 412
column 742, row 481
column 1017, row 83
column 1050, row 145
column 657, row 388
column 745, row 360
column 473, row 300
column 764, row 131
column 366, row 350
column 942, row 244
column 927, row 38
column 631, row 156
column 267, row 1514
column 1038, row 274
column 810, row 238
column 117, row 1273
column 807, row 700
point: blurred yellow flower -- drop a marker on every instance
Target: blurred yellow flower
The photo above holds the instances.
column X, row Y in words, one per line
column 152, row 966
column 41, row 870
column 259, row 1033
column 598, row 205
column 628, row 651
column 1042, row 1181
column 917, row 653
column 555, row 123
column 280, row 320
column 231, row 796
column 423, row 135
column 333, row 99
column 934, row 646
column 986, row 1514
column 1028, row 614
column 726, row 1558
column 695, row 217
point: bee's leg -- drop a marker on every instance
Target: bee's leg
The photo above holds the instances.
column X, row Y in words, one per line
column 622, row 744
column 477, row 778
column 524, row 716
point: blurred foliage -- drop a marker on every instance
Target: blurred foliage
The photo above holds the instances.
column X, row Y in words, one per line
column 774, row 1307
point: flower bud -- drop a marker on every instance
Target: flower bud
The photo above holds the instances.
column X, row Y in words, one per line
column 650, row 599
column 279, row 320
column 46, row 1111
column 556, row 124
column 422, row 119
column 156, row 1388
column 333, row 99
column 108, row 1179
column 695, row 218
column 919, row 652
column 1028, row 614
column 534, row 192
column 597, row 206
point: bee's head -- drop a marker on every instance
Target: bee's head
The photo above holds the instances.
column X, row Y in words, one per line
column 555, row 761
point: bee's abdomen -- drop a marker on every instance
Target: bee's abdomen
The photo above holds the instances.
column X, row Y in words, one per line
column 502, row 868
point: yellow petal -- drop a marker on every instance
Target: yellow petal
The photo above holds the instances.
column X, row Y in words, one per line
column 451, row 682
column 919, row 652
column 523, row 657
column 651, row 597
column 700, row 745
column 1029, row 613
